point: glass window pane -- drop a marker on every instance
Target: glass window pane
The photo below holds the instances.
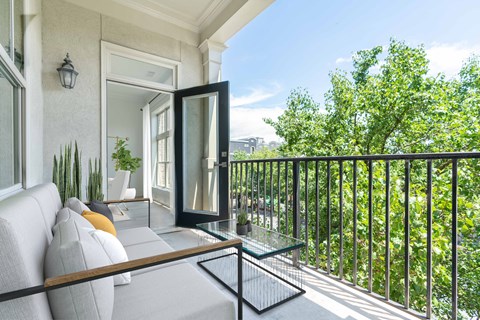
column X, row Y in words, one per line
column 141, row 70
column 9, row 147
column 5, row 23
column 18, row 33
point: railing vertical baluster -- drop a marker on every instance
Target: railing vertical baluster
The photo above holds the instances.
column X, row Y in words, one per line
column 286, row 197
column 429, row 239
column 241, row 186
column 317, row 218
column 354, row 222
column 328, row 217
column 370, row 224
column 296, row 207
column 454, row 239
column 306, row 213
column 264, row 192
column 279, row 187
column 272, row 202
column 230, row 192
column 407, row 235
column 340, row 213
column 246, row 188
column 387, row 230
column 252, row 198
column 236, row 189
column 258, row 191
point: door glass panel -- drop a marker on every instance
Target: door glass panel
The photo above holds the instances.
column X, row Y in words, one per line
column 9, row 158
column 141, row 70
column 200, row 154
column 5, row 23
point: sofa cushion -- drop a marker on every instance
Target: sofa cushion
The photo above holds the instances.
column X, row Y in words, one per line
column 102, row 208
column 148, row 249
column 136, row 235
column 176, row 292
column 67, row 214
column 23, row 243
column 48, row 199
column 72, row 250
column 76, row 205
column 100, row 222
column 115, row 253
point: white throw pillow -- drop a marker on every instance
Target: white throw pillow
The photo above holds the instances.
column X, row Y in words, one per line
column 67, row 214
column 71, row 250
column 115, row 252
column 76, row 205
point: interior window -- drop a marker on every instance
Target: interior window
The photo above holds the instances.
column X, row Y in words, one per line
column 163, row 143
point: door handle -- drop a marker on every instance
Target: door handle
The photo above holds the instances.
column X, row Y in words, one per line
column 221, row 164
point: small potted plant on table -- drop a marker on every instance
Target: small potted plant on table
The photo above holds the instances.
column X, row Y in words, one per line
column 242, row 224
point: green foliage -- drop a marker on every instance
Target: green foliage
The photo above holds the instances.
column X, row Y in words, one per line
column 242, row 218
column 123, row 157
column 95, row 181
column 66, row 177
column 389, row 104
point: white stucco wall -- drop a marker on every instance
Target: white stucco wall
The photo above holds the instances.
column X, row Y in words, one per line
column 75, row 114
column 33, row 95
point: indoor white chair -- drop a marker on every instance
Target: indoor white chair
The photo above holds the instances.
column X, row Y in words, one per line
column 118, row 186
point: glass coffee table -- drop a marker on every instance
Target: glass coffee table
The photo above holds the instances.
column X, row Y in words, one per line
column 270, row 278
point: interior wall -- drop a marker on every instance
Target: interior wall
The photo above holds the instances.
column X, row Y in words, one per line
column 75, row 114
column 124, row 119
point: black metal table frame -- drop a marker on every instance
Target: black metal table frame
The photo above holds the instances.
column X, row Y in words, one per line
column 301, row 290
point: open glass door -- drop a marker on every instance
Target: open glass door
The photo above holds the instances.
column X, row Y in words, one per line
column 201, row 154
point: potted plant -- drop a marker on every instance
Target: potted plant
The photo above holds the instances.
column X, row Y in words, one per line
column 242, row 226
column 123, row 157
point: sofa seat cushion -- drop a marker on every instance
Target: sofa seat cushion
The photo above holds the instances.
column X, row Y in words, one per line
column 174, row 292
column 136, row 235
column 148, row 249
column 72, row 250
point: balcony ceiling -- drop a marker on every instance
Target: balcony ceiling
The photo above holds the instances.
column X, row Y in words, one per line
column 191, row 21
column 188, row 14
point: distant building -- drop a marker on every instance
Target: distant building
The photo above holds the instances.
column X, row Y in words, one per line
column 250, row 145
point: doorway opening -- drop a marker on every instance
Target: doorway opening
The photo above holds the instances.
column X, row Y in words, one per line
column 138, row 149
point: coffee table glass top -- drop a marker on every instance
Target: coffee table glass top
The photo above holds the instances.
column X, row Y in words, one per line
column 260, row 243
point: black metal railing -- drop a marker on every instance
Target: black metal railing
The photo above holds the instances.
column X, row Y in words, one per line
column 357, row 215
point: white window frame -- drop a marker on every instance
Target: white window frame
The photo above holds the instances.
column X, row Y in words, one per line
column 165, row 135
column 15, row 77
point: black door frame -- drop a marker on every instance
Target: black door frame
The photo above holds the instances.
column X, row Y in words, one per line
column 190, row 219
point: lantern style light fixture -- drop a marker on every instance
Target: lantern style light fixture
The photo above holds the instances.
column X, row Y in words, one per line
column 67, row 73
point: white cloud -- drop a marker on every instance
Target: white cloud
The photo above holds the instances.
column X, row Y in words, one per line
column 448, row 58
column 255, row 95
column 248, row 122
column 343, row 60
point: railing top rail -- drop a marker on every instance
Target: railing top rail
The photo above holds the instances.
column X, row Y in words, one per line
column 406, row 156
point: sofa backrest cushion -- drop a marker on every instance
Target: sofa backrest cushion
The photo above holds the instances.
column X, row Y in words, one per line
column 24, row 241
column 49, row 202
column 73, row 250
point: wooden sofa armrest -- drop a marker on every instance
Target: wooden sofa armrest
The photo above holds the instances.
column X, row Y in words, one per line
column 123, row 201
column 118, row 268
column 129, row 200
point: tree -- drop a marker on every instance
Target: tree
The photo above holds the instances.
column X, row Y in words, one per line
column 391, row 104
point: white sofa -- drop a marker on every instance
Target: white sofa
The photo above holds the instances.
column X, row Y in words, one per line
column 171, row 291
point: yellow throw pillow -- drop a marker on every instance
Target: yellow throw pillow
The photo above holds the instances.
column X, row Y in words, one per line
column 99, row 221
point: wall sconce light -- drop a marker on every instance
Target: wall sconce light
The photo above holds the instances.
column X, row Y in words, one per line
column 67, row 73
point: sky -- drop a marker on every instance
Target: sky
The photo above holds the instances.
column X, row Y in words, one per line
column 296, row 43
